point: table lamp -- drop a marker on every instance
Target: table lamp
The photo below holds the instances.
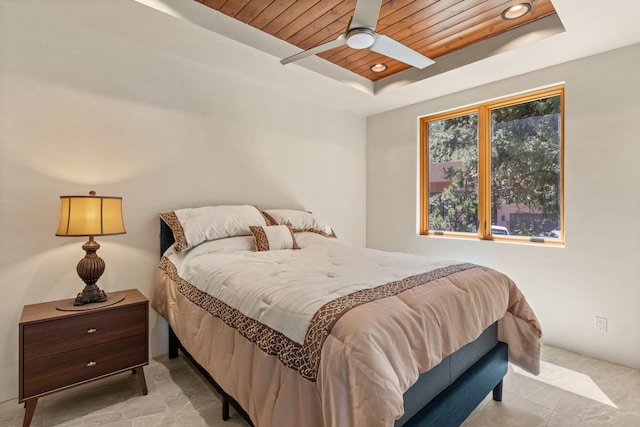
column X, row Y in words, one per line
column 90, row 216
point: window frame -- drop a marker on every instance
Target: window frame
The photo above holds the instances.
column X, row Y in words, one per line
column 483, row 110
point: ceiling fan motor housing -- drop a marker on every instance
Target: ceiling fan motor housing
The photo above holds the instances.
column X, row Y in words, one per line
column 361, row 38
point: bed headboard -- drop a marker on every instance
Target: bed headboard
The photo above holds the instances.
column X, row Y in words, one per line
column 166, row 237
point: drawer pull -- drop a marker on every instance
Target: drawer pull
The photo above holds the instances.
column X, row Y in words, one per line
column 91, row 330
column 90, row 364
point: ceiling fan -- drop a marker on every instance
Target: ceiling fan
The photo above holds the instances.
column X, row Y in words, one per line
column 361, row 34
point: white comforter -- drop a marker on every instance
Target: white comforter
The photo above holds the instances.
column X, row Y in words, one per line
column 284, row 289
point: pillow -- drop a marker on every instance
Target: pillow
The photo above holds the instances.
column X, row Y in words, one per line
column 226, row 245
column 299, row 220
column 274, row 237
column 193, row 226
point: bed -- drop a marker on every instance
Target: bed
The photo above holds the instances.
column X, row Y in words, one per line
column 400, row 340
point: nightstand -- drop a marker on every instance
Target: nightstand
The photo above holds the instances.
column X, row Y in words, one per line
column 62, row 349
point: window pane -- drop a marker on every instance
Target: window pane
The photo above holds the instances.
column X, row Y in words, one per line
column 453, row 174
column 525, row 168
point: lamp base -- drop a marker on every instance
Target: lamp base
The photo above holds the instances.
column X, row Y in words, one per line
column 69, row 304
column 90, row 294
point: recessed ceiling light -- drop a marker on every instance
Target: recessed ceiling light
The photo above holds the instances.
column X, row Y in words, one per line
column 516, row 11
column 378, row 68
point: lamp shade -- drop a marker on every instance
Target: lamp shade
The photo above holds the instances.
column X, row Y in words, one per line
column 90, row 216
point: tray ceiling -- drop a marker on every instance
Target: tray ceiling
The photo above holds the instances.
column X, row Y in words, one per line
column 431, row 27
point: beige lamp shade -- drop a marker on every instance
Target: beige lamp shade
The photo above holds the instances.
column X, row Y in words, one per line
column 90, row 216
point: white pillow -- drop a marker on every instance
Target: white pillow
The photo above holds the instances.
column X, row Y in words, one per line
column 193, row 226
column 299, row 220
column 220, row 246
column 274, row 237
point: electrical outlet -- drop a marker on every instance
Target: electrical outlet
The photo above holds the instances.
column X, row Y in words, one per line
column 601, row 324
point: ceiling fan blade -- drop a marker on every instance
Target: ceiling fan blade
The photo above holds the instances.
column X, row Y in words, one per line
column 340, row 41
column 389, row 47
column 366, row 14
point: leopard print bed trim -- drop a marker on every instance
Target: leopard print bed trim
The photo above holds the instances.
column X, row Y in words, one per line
column 304, row 358
column 268, row 218
column 171, row 219
column 260, row 239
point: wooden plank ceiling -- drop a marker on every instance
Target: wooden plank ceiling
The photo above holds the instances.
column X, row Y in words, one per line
column 431, row 27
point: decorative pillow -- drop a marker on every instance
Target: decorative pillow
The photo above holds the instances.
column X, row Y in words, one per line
column 193, row 226
column 299, row 220
column 274, row 237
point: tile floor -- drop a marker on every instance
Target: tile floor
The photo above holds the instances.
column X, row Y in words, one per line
column 572, row 391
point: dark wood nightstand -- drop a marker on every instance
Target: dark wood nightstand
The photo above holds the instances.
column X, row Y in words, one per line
column 62, row 349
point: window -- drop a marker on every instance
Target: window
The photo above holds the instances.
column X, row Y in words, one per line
column 494, row 170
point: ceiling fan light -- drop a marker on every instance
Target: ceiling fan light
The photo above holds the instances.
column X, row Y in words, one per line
column 360, row 38
column 516, row 11
column 378, row 68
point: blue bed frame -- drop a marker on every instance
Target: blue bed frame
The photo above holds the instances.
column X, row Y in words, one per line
column 442, row 397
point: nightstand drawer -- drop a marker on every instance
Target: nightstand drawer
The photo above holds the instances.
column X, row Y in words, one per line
column 75, row 332
column 63, row 369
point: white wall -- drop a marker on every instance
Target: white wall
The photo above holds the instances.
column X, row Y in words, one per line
column 597, row 273
column 115, row 97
